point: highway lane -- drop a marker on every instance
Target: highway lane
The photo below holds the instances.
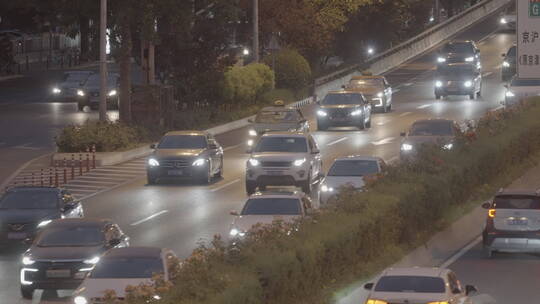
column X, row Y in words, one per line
column 181, row 216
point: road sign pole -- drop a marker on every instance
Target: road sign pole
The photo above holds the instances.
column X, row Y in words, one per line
column 103, row 62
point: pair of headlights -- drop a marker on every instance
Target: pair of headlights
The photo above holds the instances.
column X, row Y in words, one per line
column 322, row 113
column 110, row 94
column 409, row 147
column 442, row 59
column 152, row 162
column 255, row 162
column 467, row 83
column 26, row 260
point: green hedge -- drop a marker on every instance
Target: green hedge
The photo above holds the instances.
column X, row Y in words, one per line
column 244, row 84
column 365, row 231
column 291, row 68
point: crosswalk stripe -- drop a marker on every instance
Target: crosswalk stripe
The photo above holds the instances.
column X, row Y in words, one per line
column 71, row 186
column 100, row 178
column 92, row 182
column 111, row 174
column 119, row 170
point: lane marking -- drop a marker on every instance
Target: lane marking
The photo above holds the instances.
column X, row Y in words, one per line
column 404, row 114
column 74, row 186
column 383, row 141
column 461, row 252
column 497, row 108
column 225, row 185
column 232, row 147
column 149, row 218
column 487, row 74
column 381, row 123
column 408, row 84
column 26, row 146
column 95, row 181
column 337, row 141
column 424, row 106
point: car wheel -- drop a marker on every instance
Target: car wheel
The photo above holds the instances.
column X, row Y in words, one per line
column 219, row 174
column 27, row 292
column 488, row 253
column 306, row 186
column 471, row 96
column 206, row 178
column 321, row 126
column 437, row 96
column 362, row 123
column 151, row 180
column 250, row 187
column 368, row 124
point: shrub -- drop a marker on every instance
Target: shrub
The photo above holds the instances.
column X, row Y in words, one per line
column 245, row 84
column 292, row 70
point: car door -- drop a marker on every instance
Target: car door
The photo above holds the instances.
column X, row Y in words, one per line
column 387, row 92
column 215, row 153
column 367, row 108
column 315, row 156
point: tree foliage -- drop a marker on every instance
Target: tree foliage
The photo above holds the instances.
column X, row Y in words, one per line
column 245, row 84
column 292, row 69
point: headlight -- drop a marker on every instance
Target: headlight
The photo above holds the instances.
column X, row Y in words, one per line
column 438, row 83
column 199, row 162
column 469, row 59
column 43, row 223
column 506, row 64
column 510, row 94
column 325, row 188
column 406, row 147
column 80, row 92
column 92, row 261
column 448, row 146
column 152, row 162
column 252, row 133
column 356, row 112
column 80, row 300
column 299, row 162
column 27, row 261
column 236, row 232
column 56, row 90
column 372, row 301
column 321, row 113
column 503, row 21
column 250, row 142
column 254, row 162
column 468, row 83
column 112, row 93
column 441, row 59
column 380, row 94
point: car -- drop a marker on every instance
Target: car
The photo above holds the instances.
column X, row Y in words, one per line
column 350, row 170
column 276, row 118
column 72, row 81
column 123, row 267
column 512, row 222
column 88, row 94
column 375, row 89
column 458, row 79
column 459, row 51
column 440, row 132
column 343, row 108
column 65, row 251
column 263, row 208
column 431, row 285
column 26, row 209
column 509, row 64
column 284, row 159
column 185, row 155
column 519, row 88
column 507, row 20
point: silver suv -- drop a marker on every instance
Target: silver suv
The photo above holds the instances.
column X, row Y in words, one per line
column 513, row 222
column 284, row 159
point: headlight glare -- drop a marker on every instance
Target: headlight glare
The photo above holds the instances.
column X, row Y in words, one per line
column 356, row 112
column 254, row 162
column 468, row 83
column 112, row 93
column 199, row 162
column 503, row 21
column 252, row 133
column 441, row 59
column 80, row 300
column 506, row 64
column 92, row 261
column 469, row 59
column 152, row 162
column 321, row 113
column 43, row 223
column 380, row 94
column 510, row 94
column 299, row 162
column 406, row 147
column 325, row 188
column 56, row 90
column 448, row 146
column 27, row 261
column 80, row 92
column 438, row 83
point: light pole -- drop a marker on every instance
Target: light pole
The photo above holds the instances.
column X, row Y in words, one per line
column 103, row 62
column 437, row 13
column 256, row 30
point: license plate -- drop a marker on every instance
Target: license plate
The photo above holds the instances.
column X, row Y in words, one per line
column 16, row 235
column 517, row 222
column 58, row 273
column 175, row 172
column 274, row 172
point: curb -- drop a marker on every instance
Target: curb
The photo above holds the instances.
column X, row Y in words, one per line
column 19, row 170
column 5, row 78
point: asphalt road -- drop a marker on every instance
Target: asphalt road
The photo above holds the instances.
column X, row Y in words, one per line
column 181, row 216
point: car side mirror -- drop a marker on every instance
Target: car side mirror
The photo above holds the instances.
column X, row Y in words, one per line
column 368, row 286
column 234, row 212
column 486, row 205
column 402, row 134
column 315, row 151
column 152, row 146
column 250, row 120
column 212, row 146
column 503, row 55
column 70, row 206
column 470, row 289
column 114, row 242
column 28, row 241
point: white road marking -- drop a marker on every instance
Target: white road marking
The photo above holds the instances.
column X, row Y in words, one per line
column 408, row 84
column 95, row 181
column 381, row 123
column 76, row 187
column 497, row 108
column 26, row 147
column 232, row 147
column 124, row 170
column 383, row 141
column 149, row 218
column 460, row 253
column 225, row 185
column 395, row 91
column 337, row 141
column 424, row 106
column 487, row 74
column 404, row 114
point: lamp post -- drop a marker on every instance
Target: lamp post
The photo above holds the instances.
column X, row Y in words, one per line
column 256, row 30
column 103, row 62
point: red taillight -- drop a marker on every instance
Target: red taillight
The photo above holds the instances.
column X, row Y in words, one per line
column 492, row 212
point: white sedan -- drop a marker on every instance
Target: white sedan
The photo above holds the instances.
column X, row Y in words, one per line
column 519, row 89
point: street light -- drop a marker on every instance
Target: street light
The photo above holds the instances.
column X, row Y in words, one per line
column 245, row 52
column 370, row 51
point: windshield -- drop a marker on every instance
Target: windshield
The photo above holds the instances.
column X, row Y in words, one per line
column 459, row 47
column 277, row 116
column 71, row 237
column 94, row 80
column 75, row 77
column 353, row 168
column 518, row 82
column 410, row 284
column 342, row 99
column 272, row 206
column 282, row 144
column 365, row 83
column 511, row 52
column 115, row 268
column 29, row 200
column 431, row 128
column 183, row 142
column 516, row 202
column 460, row 71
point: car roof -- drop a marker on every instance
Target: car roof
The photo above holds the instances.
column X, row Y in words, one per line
column 33, row 188
column 187, row 132
column 358, row 157
column 134, row 252
column 278, row 193
column 79, row 222
column 416, row 271
column 285, row 134
column 360, row 77
column 518, row 192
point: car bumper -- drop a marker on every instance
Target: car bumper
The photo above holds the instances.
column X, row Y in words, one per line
column 512, row 241
column 277, row 176
column 38, row 280
column 454, row 91
column 342, row 121
column 93, row 102
column 176, row 173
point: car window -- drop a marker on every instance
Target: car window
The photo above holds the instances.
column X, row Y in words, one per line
column 127, row 267
column 183, row 142
column 456, row 70
column 95, row 80
column 516, row 202
column 342, row 99
column 519, row 82
column 420, row 284
column 29, row 200
column 272, row 206
column 511, row 52
column 282, row 144
column 458, row 47
column 277, row 116
column 73, row 236
column 432, row 128
column 353, row 167
column 76, row 77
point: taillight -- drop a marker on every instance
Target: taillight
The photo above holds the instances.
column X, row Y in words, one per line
column 492, row 212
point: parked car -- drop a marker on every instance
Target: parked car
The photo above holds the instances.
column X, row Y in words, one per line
column 418, row 285
column 123, row 267
column 65, row 251
column 441, row 132
column 508, row 19
column 266, row 207
column 25, row 210
column 512, row 222
column 458, row 79
column 88, row 94
column 284, row 159
column 276, row 118
column 349, row 171
column 344, row 108
column 72, row 81
column 459, row 51
column 519, row 89
column 185, row 155
column 509, row 64
column 375, row 89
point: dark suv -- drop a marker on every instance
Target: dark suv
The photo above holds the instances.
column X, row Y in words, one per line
column 509, row 64
column 344, row 108
column 24, row 210
column 65, row 252
column 459, row 52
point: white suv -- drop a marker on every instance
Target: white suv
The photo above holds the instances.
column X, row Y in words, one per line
column 284, row 159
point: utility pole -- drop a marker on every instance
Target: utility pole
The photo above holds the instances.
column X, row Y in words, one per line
column 437, row 12
column 103, row 62
column 256, row 30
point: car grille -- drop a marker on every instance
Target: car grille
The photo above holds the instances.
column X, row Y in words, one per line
column 94, row 94
column 175, row 163
column 280, row 164
column 455, row 60
column 44, row 266
column 339, row 113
